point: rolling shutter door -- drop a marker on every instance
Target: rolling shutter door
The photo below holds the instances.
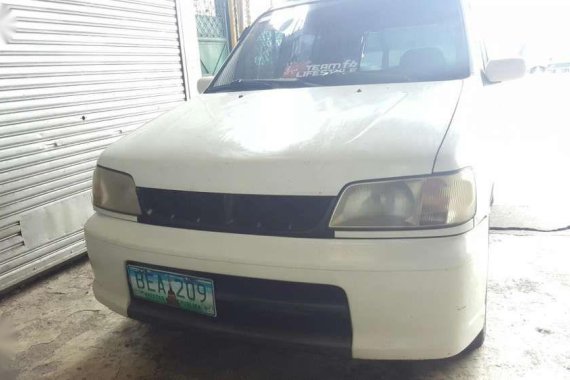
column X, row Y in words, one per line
column 75, row 76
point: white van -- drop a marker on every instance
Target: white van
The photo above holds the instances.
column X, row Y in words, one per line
column 328, row 188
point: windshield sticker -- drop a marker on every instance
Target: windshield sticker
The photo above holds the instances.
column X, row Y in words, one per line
column 306, row 69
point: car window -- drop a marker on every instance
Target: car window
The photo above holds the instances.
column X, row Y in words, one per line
column 385, row 49
column 261, row 62
column 352, row 42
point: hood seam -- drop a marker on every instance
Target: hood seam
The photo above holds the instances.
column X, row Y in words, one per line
column 448, row 127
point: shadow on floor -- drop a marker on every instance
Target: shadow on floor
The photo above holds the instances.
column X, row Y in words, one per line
column 137, row 351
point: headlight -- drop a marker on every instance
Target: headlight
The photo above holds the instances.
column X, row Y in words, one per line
column 115, row 191
column 430, row 202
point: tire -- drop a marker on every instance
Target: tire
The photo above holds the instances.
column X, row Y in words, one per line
column 478, row 341
column 480, row 338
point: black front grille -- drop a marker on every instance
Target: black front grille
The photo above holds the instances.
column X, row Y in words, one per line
column 292, row 216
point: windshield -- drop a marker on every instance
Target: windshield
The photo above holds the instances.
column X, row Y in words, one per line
column 350, row 42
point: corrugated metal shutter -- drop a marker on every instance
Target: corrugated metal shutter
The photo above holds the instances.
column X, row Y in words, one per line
column 75, row 75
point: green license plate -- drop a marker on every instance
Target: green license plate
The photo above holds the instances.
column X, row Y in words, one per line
column 173, row 289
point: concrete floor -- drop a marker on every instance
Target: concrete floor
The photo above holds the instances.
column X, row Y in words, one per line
column 55, row 329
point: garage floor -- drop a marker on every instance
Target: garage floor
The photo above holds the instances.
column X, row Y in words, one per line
column 55, row 329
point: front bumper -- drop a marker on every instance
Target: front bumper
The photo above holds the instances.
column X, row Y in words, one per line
column 407, row 298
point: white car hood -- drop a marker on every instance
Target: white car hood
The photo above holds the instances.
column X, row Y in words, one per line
column 308, row 141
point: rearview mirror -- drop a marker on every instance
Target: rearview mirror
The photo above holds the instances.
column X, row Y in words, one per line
column 204, row 83
column 501, row 70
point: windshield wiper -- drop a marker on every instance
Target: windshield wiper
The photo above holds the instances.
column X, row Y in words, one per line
column 242, row 85
column 359, row 78
column 260, row 84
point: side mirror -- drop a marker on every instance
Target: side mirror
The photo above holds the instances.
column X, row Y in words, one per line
column 204, row 83
column 501, row 70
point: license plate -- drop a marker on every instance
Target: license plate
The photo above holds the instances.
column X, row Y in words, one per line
column 173, row 289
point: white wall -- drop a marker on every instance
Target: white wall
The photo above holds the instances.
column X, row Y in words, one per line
column 189, row 35
column 257, row 7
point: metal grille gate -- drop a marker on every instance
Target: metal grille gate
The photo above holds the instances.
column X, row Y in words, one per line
column 213, row 33
column 75, row 75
